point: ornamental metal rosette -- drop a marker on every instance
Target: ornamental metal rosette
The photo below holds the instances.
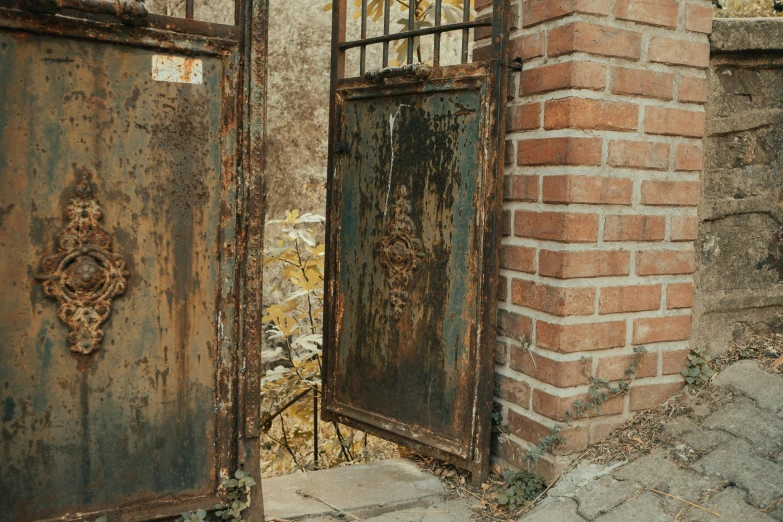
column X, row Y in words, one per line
column 401, row 252
column 84, row 275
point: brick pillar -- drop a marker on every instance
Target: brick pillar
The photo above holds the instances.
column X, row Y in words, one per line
column 603, row 156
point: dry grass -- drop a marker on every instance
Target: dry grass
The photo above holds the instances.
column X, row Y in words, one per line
column 746, row 9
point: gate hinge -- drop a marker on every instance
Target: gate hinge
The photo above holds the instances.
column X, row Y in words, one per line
column 515, row 64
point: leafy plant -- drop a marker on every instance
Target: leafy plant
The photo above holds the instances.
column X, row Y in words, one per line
column 451, row 13
column 237, row 498
column 294, row 275
column 523, row 487
column 697, row 369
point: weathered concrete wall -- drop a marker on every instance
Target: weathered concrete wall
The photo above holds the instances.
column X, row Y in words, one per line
column 740, row 270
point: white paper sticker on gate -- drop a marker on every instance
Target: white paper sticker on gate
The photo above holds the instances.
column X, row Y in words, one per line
column 177, row 69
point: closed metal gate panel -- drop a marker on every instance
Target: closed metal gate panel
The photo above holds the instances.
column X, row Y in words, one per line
column 411, row 247
column 122, row 235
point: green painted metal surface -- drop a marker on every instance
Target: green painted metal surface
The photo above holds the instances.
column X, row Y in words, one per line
column 137, row 419
column 409, row 188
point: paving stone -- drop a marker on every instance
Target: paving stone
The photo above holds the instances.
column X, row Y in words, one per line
column 584, row 473
column 703, row 440
column 600, row 496
column 560, row 510
column 656, row 471
column 692, row 433
column 647, row 507
column 777, row 513
column 747, row 378
column 736, row 462
column 730, row 505
column 762, row 429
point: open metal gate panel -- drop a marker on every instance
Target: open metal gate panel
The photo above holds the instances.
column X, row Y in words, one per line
column 414, row 210
column 69, row 414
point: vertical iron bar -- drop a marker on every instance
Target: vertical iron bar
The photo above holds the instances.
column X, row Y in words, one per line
column 363, row 52
column 315, row 427
column 436, row 50
column 189, row 9
column 465, row 32
column 411, row 21
column 386, row 20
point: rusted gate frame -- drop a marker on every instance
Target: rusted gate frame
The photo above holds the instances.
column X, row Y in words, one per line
column 237, row 363
column 494, row 163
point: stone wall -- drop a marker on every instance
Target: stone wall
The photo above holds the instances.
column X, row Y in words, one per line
column 739, row 279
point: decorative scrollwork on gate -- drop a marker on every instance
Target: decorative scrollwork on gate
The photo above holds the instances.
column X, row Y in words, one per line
column 84, row 275
column 401, row 252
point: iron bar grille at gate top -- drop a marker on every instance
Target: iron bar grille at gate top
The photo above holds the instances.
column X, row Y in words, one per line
column 424, row 18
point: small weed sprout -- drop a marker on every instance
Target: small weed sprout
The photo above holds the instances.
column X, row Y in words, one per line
column 237, row 500
column 697, row 369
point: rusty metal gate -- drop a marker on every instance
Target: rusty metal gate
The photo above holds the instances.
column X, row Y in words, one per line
column 415, row 173
column 131, row 161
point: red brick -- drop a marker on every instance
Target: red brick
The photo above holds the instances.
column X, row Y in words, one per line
column 512, row 390
column 548, row 466
column 523, row 117
column 557, row 373
column 482, row 32
column 514, row 325
column 552, row 299
column 618, row 299
column 581, row 113
column 639, row 155
column 689, row 157
column 685, row 228
column 595, row 39
column 674, row 362
column 592, row 263
column 639, row 82
column 679, row 295
column 505, row 223
column 662, row 329
column 674, row 122
column 556, row 226
column 673, row 193
column 575, row 439
column 502, row 288
column 678, row 52
column 537, row 11
column 482, row 54
column 478, row 5
column 588, row 190
column 580, row 337
column 651, row 395
column 566, row 75
column 692, row 90
column 511, row 91
column 521, row 188
column 559, row 151
column 698, row 18
column 652, row 12
column 508, row 153
column 665, row 262
column 554, row 407
column 501, row 354
column 527, row 47
column 614, row 368
column 634, row 228
column 519, row 258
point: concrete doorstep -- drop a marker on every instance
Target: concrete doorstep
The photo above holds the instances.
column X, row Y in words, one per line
column 389, row 490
